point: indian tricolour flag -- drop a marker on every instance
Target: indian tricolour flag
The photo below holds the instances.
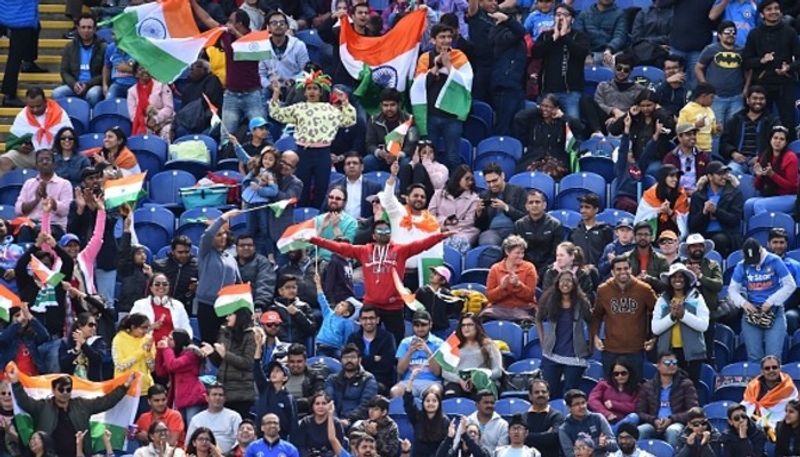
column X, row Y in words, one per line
column 293, row 236
column 215, row 119
column 448, row 355
column 232, row 298
column 455, row 96
column 253, row 46
column 44, row 274
column 116, row 420
column 408, row 297
column 123, row 190
column 8, row 300
column 571, row 148
column 162, row 37
column 279, row 207
column 396, row 138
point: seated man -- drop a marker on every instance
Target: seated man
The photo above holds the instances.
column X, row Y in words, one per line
column 716, row 208
column 494, row 429
column 743, row 436
column 223, row 422
column 44, row 192
column 302, row 381
column 82, row 64
column 517, row 434
column 414, row 354
column 627, row 436
column 160, row 411
column 673, row 92
column 245, row 436
column 377, row 347
column 665, row 400
column 615, row 97
column 501, row 205
column 580, row 421
column 607, row 29
column 540, row 230
column 298, row 320
column 767, row 393
column 352, row 388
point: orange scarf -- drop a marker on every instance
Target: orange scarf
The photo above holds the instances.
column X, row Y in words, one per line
column 428, row 224
column 52, row 116
column 681, row 205
column 782, row 392
column 124, row 160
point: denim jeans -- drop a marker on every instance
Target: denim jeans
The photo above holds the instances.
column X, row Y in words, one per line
column 506, row 103
column 314, row 163
column 49, row 351
column 237, row 106
column 258, row 226
column 725, row 107
column 117, row 90
column 570, row 103
column 670, row 435
column 552, row 372
column 631, row 418
column 761, row 342
column 691, row 58
column 92, row 96
column 106, row 281
column 449, row 130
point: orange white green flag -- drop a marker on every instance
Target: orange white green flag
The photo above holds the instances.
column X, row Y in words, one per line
column 8, row 300
column 294, row 236
column 454, row 98
column 448, row 355
column 279, row 207
column 123, row 190
column 254, row 46
column 396, row 138
column 44, row 274
column 232, row 298
column 408, row 297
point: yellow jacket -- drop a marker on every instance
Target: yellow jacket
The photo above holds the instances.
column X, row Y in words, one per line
column 129, row 355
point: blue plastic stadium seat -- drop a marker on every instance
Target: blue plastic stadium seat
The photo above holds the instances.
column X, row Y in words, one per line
column 165, row 187
column 575, row 185
column 79, row 112
column 507, row 331
column 506, row 144
column 536, row 180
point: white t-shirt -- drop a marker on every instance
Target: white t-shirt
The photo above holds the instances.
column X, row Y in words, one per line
column 223, row 424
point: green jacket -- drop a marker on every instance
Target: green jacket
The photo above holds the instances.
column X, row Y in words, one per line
column 710, row 283
column 45, row 412
column 658, row 264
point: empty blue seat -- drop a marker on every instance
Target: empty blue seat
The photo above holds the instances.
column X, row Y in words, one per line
column 594, row 75
column 165, row 187
column 532, row 350
column 404, row 428
column 7, row 212
column 483, row 256
column 195, row 215
column 597, row 146
column 729, row 393
column 758, row 226
column 148, row 162
column 507, row 163
column 536, row 180
column 110, row 113
column 286, row 144
column 747, row 369
column 612, row 216
column 90, row 141
column 724, row 334
column 507, row 407
column 151, row 234
column 747, row 184
column 78, row 111
column 560, row 405
column 17, row 176
column 151, row 143
column 475, row 275
column 379, row 177
column 569, row 219
column 452, row 258
column 602, row 166
column 525, row 366
column 458, row 406
column 156, row 215
column 576, row 185
column 656, row 447
column 506, row 144
column 470, row 286
column 483, row 111
column 475, row 129
column 507, row 331
column 304, row 214
column 480, row 181
column 594, row 370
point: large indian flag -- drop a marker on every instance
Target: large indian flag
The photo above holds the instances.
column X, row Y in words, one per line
column 123, row 190
column 8, row 300
column 454, row 98
column 232, row 298
column 116, row 420
column 293, row 236
column 44, row 274
column 253, row 46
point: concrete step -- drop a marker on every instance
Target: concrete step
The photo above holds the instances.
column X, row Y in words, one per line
column 42, row 60
column 55, row 27
column 38, row 77
column 9, row 112
column 47, row 93
column 56, row 8
column 44, row 44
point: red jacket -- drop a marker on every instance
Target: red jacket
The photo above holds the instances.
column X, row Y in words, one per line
column 185, row 389
column 784, row 178
column 379, row 289
column 622, row 403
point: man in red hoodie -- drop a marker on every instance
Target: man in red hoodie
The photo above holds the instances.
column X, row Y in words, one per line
column 379, row 259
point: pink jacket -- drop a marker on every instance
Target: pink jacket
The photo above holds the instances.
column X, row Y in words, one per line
column 86, row 258
column 622, row 403
column 185, row 387
column 442, row 205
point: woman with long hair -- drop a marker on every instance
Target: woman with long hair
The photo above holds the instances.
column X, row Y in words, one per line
column 646, row 118
column 477, row 351
column 203, row 444
column 430, row 424
column 568, row 257
column 81, row 354
column 165, row 312
column 454, row 208
column 157, row 434
column 118, row 161
column 68, row 160
column 563, row 315
column 133, row 350
column 680, row 319
column 41, row 444
column 776, row 174
column 788, row 431
column 425, row 155
column 150, row 105
column 470, row 445
column 179, row 360
column 233, row 354
column 616, row 397
column 311, row 438
column 667, row 202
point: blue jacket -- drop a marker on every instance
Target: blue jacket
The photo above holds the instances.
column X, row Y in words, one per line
column 215, row 269
column 593, row 424
column 604, row 266
column 262, row 448
column 606, row 29
column 13, row 335
column 351, row 395
column 769, row 281
column 510, row 55
column 334, row 330
column 280, row 403
column 19, row 14
column 368, row 188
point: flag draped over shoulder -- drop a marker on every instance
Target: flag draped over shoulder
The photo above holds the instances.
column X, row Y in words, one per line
column 771, row 408
column 116, row 420
column 162, row 37
column 648, row 211
column 454, row 98
column 385, row 61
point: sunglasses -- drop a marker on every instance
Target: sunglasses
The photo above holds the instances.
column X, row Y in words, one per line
column 620, row 373
column 697, row 423
column 65, row 390
column 669, row 363
column 771, row 368
column 623, row 69
column 67, row 138
column 272, row 325
column 738, row 417
column 161, row 284
column 383, row 232
column 666, row 241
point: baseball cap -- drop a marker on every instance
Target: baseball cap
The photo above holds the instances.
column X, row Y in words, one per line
column 270, row 317
column 443, row 272
column 625, row 222
column 256, row 122
column 715, row 167
column 421, row 316
column 272, row 365
column 685, row 127
column 752, row 251
column 67, row 239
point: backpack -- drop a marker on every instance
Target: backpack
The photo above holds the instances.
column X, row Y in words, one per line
column 474, row 301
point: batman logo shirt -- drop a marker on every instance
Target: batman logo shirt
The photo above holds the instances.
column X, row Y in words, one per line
column 728, row 60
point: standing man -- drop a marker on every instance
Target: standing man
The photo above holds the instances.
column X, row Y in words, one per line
column 288, row 55
column 778, row 245
column 591, row 235
column 82, row 64
column 494, row 429
column 180, row 267
column 256, row 269
column 691, row 31
column 741, row 13
column 625, row 304
column 480, row 20
column 358, row 187
column 22, row 20
column 540, row 230
column 720, row 64
column 508, row 69
column 694, row 254
column 543, row 421
column 335, row 223
column 390, row 117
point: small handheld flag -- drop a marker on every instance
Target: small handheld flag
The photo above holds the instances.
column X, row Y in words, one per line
column 44, row 274
column 123, row 190
column 408, row 297
column 8, row 300
column 232, row 298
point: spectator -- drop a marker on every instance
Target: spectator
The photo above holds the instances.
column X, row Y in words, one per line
column 511, row 284
column 673, row 92
column 105, row 316
column 646, row 264
column 414, row 358
column 160, row 413
column 776, row 172
column 424, row 168
column 195, row 114
column 429, row 423
column 217, row 268
column 114, row 158
column 729, row 79
column 244, row 437
column 694, row 254
column 543, row 421
column 289, row 186
column 390, row 117
column 438, row 301
column 21, row 338
column 541, row 18
column 117, row 74
column 541, row 231
column 563, row 46
column 787, row 435
column 742, row 15
column 233, row 355
column 631, row 171
column 564, row 310
column 581, row 424
column 668, row 246
column 47, row 188
column 648, row 121
column 82, row 353
column 454, row 208
column 747, row 134
column 480, row 19
column 336, row 223
column 469, row 445
column 625, row 304
column 312, row 436
column 45, row 411
column 257, row 270
column 569, row 258
column 298, row 321
column 742, row 437
column 494, row 429
column 591, row 235
column 770, row 50
column 273, row 398
column 178, row 360
column 202, row 443
column 82, row 64
column 517, row 435
column 271, row 347
column 699, row 437
column 34, row 128
column 584, row 446
column 157, row 437
column 543, row 130
column 180, row 268
column 650, row 34
column 767, row 393
column 506, row 39
column 68, row 161
column 22, row 22
column 477, row 352
column 622, row 244
column 150, row 105
column 338, row 277
column 617, row 397
column 352, row 388
column 778, row 244
column 716, row 208
column 287, row 54
column 690, row 32
column 687, row 156
column 217, row 422
column 762, row 296
column 330, row 28
column 615, row 97
column 271, row 441
column 134, row 273
column 165, row 313
column 381, row 427
column 607, row 29
column 697, row 114
column 302, row 380
column 316, row 124
column 336, row 324
column 133, row 350
column 666, row 202
column 680, row 318
column 377, row 347
column 358, row 187
column 499, row 208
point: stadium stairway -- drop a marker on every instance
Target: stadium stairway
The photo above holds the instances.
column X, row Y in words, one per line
column 51, row 43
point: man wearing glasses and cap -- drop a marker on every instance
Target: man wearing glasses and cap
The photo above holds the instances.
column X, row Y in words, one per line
column 687, row 157
column 717, row 207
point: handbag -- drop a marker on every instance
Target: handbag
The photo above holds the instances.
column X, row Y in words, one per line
column 761, row 319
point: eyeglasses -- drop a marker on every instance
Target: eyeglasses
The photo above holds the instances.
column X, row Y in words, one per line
column 67, row 138
column 669, row 363
column 160, row 284
column 771, row 368
column 65, row 389
column 620, row 373
column 5, row 394
column 738, row 417
column 161, row 430
column 277, row 23
column 468, row 324
column 272, row 325
column 623, row 69
column 202, row 439
column 699, row 423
